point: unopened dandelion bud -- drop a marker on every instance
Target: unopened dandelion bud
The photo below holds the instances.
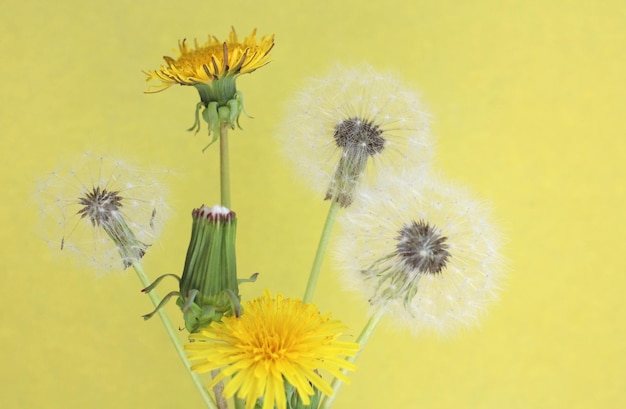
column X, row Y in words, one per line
column 208, row 286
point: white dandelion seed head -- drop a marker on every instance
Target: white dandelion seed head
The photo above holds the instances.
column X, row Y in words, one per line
column 356, row 94
column 468, row 280
column 112, row 189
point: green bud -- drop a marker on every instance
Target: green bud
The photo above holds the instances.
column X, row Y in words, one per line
column 208, row 287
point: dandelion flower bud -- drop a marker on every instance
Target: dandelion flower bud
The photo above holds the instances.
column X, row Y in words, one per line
column 212, row 69
column 103, row 210
column 340, row 125
column 208, row 286
column 423, row 249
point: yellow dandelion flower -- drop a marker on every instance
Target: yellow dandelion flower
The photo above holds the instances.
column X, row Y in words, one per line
column 276, row 341
column 212, row 61
column 212, row 69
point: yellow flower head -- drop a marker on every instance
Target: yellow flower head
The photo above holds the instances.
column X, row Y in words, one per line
column 213, row 69
column 212, row 61
column 274, row 342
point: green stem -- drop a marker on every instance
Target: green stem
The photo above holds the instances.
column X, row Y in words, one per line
column 224, row 166
column 361, row 340
column 171, row 332
column 321, row 251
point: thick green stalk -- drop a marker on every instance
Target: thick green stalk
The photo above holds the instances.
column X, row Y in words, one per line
column 224, row 166
column 361, row 340
column 173, row 334
column 321, row 251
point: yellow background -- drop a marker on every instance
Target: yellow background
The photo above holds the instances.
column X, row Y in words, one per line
column 528, row 100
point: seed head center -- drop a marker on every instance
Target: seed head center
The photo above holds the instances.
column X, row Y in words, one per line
column 99, row 205
column 357, row 133
column 422, row 247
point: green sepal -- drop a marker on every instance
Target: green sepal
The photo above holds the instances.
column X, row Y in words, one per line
column 222, row 103
column 224, row 113
column 196, row 123
column 198, row 316
column 250, row 279
column 157, row 281
column 161, row 304
column 211, row 116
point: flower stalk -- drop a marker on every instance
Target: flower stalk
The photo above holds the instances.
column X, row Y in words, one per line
column 224, row 166
column 364, row 336
column 321, row 251
column 173, row 335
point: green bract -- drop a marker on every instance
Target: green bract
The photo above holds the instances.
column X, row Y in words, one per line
column 208, row 288
column 220, row 103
